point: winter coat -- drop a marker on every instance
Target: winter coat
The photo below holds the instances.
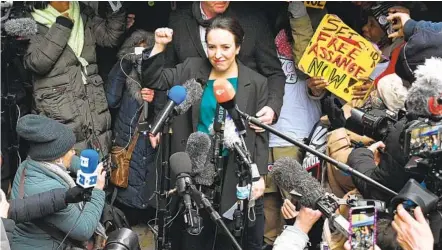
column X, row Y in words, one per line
column 40, row 178
column 124, row 93
column 58, row 88
column 390, row 171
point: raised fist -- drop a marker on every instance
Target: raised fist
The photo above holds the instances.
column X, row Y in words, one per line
column 163, row 36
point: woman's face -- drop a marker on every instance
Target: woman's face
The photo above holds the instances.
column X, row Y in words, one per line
column 221, row 49
column 60, row 6
column 67, row 158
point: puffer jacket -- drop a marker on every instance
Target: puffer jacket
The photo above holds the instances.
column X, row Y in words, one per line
column 41, row 177
column 124, row 93
column 58, row 88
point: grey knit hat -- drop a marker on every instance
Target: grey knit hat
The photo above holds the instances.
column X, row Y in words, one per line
column 48, row 139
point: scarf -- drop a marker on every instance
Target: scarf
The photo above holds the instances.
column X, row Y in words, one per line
column 47, row 18
column 196, row 12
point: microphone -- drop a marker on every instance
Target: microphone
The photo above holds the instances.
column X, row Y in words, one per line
column 225, row 96
column 291, row 176
column 198, row 148
column 21, row 27
column 233, row 142
column 181, row 166
column 87, row 175
column 194, row 94
column 176, row 95
column 427, row 86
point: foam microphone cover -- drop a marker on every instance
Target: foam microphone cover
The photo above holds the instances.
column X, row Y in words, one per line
column 288, row 174
column 21, row 27
column 231, row 136
column 194, row 94
column 180, row 163
column 199, row 149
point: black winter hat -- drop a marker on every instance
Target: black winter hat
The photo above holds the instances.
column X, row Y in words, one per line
column 48, row 139
column 380, row 12
column 423, row 45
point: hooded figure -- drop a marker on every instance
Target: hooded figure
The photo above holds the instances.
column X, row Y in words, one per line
column 123, row 91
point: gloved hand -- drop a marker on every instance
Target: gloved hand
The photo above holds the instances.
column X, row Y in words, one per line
column 333, row 109
column 78, row 194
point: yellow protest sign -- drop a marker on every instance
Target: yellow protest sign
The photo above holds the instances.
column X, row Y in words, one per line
column 315, row 4
column 340, row 55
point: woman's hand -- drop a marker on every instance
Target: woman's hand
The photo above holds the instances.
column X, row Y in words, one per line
column 359, row 92
column 154, row 140
column 317, row 85
column 258, row 188
column 288, row 210
column 375, row 147
column 101, row 182
column 163, row 36
column 147, row 94
column 412, row 233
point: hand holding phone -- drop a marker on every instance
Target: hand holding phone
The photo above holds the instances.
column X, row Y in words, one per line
column 363, row 227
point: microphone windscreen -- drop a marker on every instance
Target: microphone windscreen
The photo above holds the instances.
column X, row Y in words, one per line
column 223, row 90
column 89, row 160
column 198, row 147
column 288, row 174
column 428, row 84
column 177, row 94
column 180, row 163
column 194, row 94
column 231, row 136
column 21, row 27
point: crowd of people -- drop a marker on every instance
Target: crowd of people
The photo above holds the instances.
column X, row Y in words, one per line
column 212, row 41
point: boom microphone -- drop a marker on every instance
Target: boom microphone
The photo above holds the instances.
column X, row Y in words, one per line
column 87, row 175
column 290, row 175
column 21, row 27
column 194, row 94
column 176, row 95
column 198, row 148
column 225, row 96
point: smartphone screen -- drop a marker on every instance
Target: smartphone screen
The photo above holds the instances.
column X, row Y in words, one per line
column 424, row 139
column 363, row 227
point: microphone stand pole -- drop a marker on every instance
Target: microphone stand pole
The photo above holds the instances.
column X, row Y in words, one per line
column 203, row 202
column 163, row 242
column 340, row 165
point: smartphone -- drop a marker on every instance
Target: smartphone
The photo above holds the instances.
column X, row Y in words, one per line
column 363, row 227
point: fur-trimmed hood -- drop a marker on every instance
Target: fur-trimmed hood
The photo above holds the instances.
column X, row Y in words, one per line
column 133, row 82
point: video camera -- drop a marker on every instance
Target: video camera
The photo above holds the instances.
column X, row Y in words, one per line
column 373, row 123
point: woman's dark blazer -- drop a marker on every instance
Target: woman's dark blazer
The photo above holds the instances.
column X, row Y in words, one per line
column 251, row 96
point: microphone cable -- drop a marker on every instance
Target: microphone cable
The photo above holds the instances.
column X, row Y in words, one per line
column 73, row 226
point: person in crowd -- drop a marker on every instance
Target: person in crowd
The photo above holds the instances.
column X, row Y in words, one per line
column 295, row 237
column 123, row 91
column 258, row 48
column 224, row 38
column 61, row 56
column 51, row 156
column 299, row 112
column 35, row 206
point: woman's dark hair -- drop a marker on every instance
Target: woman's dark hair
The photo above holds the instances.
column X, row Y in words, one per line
column 230, row 24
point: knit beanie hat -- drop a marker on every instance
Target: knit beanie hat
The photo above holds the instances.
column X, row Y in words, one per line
column 380, row 12
column 392, row 92
column 48, row 139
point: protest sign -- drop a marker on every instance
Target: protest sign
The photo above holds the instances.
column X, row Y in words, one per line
column 315, row 4
column 340, row 55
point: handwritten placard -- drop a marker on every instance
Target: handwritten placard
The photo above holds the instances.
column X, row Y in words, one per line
column 340, row 55
column 315, row 4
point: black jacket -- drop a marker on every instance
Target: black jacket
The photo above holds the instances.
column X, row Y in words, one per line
column 390, row 172
column 258, row 50
column 251, row 96
column 37, row 206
